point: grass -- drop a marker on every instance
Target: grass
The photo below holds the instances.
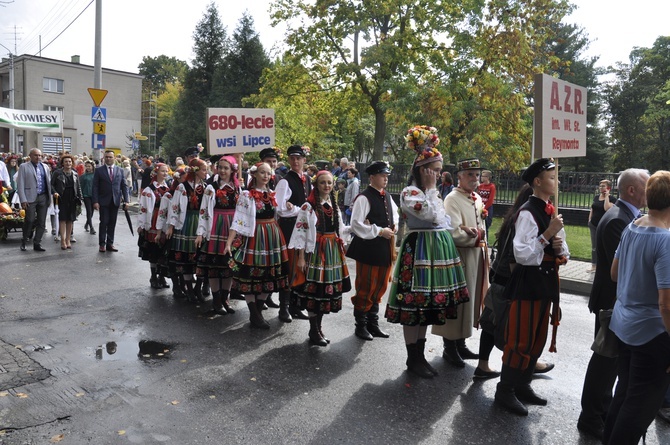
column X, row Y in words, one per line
column 578, row 238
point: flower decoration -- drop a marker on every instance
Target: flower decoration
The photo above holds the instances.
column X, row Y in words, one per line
column 306, row 149
column 420, row 136
column 549, row 208
column 277, row 150
column 200, row 147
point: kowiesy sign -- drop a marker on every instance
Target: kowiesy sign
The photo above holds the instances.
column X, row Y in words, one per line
column 560, row 118
column 35, row 120
column 240, row 130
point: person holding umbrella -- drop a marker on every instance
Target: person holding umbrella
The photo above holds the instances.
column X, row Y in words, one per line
column 109, row 192
column 67, row 198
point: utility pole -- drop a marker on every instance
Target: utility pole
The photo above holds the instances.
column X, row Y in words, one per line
column 97, row 68
column 12, row 131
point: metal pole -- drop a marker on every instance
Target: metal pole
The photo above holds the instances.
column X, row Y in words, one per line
column 12, row 131
column 97, row 77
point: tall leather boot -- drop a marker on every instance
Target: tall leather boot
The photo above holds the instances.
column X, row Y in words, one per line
column 190, row 294
column 421, row 347
column 162, row 283
column 294, row 308
column 198, row 289
column 524, row 392
column 217, row 304
column 451, row 355
column 270, row 303
column 205, row 287
column 361, row 326
column 372, row 317
column 284, row 313
column 415, row 364
column 256, row 316
column 464, row 352
column 225, row 302
column 505, row 394
column 315, row 337
column 177, row 291
column 153, row 281
column 319, row 318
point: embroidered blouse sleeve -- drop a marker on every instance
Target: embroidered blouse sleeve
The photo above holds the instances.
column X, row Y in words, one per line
column 179, row 207
column 283, row 194
column 147, row 202
column 244, row 220
column 163, row 210
column 206, row 212
column 426, row 206
column 304, row 231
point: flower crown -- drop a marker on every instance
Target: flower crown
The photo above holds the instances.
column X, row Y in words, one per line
column 200, row 147
column 420, row 136
column 277, row 150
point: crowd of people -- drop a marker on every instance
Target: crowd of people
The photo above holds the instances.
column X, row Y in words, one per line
column 241, row 229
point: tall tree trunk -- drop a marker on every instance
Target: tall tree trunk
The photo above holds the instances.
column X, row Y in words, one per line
column 380, row 133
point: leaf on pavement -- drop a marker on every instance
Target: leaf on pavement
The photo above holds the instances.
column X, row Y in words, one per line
column 175, row 402
column 4, row 393
column 21, row 395
column 57, row 438
column 122, row 432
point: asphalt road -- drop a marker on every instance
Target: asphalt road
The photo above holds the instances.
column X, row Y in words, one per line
column 220, row 382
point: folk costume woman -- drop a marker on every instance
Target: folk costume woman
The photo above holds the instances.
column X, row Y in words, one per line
column 257, row 245
column 316, row 239
column 428, row 280
column 151, row 240
column 183, row 222
column 216, row 216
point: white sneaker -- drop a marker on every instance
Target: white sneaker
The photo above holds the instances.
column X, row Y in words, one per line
column 72, row 240
column 56, row 238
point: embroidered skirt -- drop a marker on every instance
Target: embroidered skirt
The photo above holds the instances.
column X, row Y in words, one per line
column 211, row 261
column 428, row 280
column 320, row 289
column 149, row 249
column 261, row 261
column 183, row 252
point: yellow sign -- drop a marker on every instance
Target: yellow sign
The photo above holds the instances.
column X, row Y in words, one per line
column 99, row 127
column 97, row 95
column 141, row 138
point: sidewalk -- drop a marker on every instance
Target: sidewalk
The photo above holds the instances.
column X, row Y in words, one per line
column 576, row 278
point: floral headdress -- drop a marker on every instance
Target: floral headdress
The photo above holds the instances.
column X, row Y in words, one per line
column 320, row 173
column 306, row 149
column 200, row 147
column 423, row 140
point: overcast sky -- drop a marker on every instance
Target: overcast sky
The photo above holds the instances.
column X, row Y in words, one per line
column 135, row 28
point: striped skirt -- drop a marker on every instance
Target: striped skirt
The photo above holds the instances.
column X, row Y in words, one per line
column 326, row 277
column 183, row 251
column 428, row 280
column 149, row 249
column 211, row 261
column 261, row 261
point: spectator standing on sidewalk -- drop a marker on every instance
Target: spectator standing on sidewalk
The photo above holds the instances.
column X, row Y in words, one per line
column 602, row 202
column 487, row 190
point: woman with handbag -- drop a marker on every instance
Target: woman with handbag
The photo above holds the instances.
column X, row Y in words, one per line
column 321, row 265
column 641, row 317
column 428, row 279
column 67, row 193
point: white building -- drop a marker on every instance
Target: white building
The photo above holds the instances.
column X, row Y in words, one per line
column 48, row 84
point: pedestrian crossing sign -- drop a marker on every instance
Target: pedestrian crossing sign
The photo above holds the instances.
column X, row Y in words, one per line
column 99, row 114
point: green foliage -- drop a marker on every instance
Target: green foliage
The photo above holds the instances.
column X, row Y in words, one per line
column 160, row 71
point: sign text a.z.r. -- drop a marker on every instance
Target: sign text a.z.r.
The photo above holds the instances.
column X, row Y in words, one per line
column 247, row 141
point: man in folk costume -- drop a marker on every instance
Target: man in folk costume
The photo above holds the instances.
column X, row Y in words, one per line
column 374, row 221
column 468, row 221
column 291, row 193
column 539, row 248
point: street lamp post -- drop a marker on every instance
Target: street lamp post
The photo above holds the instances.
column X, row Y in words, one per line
column 12, row 135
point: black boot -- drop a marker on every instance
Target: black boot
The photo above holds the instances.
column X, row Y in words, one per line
column 225, row 302
column 415, row 364
column 421, row 347
column 464, row 352
column 256, row 317
column 505, row 394
column 162, row 282
column 284, row 313
column 205, row 287
column 153, row 281
column 236, row 295
column 372, row 317
column 451, row 355
column 217, row 304
column 198, row 290
column 270, row 303
column 524, row 392
column 294, row 308
column 315, row 337
column 320, row 319
column 361, row 326
column 190, row 294
column 176, row 287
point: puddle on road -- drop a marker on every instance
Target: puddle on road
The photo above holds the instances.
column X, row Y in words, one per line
column 132, row 350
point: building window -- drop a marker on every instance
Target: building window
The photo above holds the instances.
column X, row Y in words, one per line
column 56, row 108
column 52, row 85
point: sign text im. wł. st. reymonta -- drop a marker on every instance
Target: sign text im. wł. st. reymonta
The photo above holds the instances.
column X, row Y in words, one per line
column 239, row 130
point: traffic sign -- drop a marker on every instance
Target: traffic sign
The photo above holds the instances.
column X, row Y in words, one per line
column 97, row 95
column 98, row 141
column 98, row 114
column 99, row 127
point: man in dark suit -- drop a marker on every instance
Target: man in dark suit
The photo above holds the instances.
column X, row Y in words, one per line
column 601, row 372
column 109, row 189
column 33, row 184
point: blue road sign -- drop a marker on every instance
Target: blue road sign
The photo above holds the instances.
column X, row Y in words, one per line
column 99, row 114
column 98, row 141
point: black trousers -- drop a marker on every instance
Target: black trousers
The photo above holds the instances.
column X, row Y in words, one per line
column 88, row 204
column 643, row 381
column 108, row 216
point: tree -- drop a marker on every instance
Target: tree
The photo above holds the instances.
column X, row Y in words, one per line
column 188, row 124
column 161, row 70
column 239, row 75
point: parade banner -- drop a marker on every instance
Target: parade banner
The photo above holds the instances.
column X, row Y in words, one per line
column 35, row 120
column 239, row 130
column 560, row 118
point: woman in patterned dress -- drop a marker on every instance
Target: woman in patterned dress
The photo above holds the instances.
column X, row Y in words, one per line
column 216, row 216
column 183, row 222
column 151, row 240
column 316, row 239
column 257, row 246
column 428, row 280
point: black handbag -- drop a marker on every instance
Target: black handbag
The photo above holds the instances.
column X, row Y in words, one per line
column 606, row 342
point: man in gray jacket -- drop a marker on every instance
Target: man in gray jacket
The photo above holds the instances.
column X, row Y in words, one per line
column 33, row 184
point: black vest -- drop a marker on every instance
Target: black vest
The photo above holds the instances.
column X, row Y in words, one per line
column 377, row 251
column 299, row 192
